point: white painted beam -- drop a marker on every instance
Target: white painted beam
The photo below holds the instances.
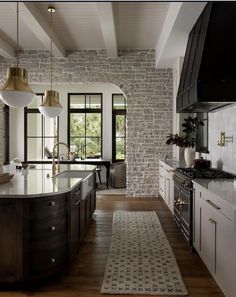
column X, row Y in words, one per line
column 106, row 18
column 179, row 21
column 6, row 50
column 33, row 18
column 169, row 22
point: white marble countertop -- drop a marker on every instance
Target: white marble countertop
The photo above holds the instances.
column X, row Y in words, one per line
column 224, row 189
column 38, row 181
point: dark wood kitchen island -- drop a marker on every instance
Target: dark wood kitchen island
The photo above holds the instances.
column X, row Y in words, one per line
column 43, row 219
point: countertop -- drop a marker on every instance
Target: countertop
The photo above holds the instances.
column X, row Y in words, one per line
column 173, row 164
column 224, row 189
column 36, row 182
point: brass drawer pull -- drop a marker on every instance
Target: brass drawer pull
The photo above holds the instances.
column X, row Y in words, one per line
column 53, row 260
column 52, row 228
column 51, row 203
column 213, row 204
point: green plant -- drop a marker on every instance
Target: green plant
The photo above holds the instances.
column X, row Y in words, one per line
column 190, row 129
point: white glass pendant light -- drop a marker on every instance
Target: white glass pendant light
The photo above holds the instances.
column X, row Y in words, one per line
column 51, row 106
column 16, row 92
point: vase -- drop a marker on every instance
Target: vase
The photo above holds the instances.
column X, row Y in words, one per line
column 189, row 155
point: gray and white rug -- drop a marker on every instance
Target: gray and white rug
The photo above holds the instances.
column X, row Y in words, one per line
column 141, row 260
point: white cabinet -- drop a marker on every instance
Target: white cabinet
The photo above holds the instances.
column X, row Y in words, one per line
column 214, row 238
column 166, row 184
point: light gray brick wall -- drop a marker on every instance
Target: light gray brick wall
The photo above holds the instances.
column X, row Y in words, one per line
column 149, row 100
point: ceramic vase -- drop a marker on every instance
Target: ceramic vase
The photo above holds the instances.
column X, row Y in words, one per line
column 189, row 155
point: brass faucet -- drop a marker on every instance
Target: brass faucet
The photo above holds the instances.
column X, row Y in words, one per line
column 56, row 168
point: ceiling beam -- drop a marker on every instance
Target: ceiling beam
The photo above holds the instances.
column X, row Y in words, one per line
column 172, row 14
column 106, row 18
column 36, row 22
column 6, row 50
column 173, row 39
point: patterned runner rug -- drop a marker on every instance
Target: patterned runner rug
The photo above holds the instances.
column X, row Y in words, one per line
column 140, row 259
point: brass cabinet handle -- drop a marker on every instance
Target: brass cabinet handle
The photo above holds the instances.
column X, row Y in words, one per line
column 77, row 202
column 51, row 203
column 212, row 221
column 213, row 204
column 76, row 193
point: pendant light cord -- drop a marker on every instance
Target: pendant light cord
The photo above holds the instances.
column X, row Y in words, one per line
column 17, row 34
column 51, row 51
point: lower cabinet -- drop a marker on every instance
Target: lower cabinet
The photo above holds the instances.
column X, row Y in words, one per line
column 39, row 236
column 166, row 185
column 214, row 238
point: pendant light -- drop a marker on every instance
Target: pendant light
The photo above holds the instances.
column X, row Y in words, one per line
column 16, row 92
column 51, row 106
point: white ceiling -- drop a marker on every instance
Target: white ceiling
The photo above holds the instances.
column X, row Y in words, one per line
column 98, row 25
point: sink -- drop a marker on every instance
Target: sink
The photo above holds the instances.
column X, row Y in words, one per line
column 73, row 174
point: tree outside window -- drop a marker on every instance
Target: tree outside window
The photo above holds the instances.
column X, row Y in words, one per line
column 85, row 124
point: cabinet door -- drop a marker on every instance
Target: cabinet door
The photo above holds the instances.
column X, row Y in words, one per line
column 225, row 269
column 87, row 209
column 161, row 182
column 167, row 190
column 196, row 219
column 171, row 193
column 207, row 246
column 8, row 247
column 82, row 218
column 75, row 224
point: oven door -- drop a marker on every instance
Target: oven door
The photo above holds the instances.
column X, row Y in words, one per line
column 182, row 210
column 186, row 214
column 177, row 204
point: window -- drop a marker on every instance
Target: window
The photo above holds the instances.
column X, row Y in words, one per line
column 40, row 132
column 85, row 124
column 118, row 127
column 202, row 136
column 6, row 135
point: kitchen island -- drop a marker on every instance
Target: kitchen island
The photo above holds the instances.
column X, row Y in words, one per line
column 43, row 220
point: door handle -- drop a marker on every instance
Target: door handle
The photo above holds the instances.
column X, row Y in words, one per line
column 213, row 204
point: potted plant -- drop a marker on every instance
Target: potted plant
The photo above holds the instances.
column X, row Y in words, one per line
column 188, row 138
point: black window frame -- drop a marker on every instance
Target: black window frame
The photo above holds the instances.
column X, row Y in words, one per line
column 116, row 112
column 32, row 111
column 84, row 110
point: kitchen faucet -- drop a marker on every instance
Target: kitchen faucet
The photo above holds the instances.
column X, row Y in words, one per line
column 54, row 167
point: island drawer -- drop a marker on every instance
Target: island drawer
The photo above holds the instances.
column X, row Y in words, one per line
column 47, row 256
column 53, row 226
column 45, row 208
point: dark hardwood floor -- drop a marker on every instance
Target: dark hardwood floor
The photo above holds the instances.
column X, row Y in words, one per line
column 84, row 276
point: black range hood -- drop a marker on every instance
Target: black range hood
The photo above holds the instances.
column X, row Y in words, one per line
column 208, row 78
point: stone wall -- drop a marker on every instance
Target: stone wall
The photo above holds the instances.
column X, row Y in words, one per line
column 149, row 100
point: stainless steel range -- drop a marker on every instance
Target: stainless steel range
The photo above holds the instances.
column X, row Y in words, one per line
column 183, row 190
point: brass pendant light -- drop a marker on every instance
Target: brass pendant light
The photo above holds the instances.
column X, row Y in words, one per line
column 16, row 92
column 51, row 106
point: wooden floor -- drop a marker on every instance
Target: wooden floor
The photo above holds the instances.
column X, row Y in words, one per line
column 84, row 277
